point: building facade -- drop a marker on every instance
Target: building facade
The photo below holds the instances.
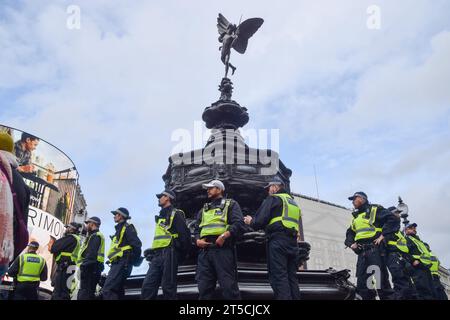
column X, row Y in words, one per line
column 324, row 226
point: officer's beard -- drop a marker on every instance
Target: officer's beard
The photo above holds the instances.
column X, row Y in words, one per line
column 215, row 196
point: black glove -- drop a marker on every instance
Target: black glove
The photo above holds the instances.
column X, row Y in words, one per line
column 409, row 268
column 358, row 249
column 148, row 254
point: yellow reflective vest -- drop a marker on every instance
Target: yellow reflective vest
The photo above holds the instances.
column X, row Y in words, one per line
column 30, row 267
column 101, row 249
column 425, row 256
column 73, row 255
column 435, row 263
column 214, row 221
column 163, row 237
column 290, row 217
column 363, row 226
column 116, row 251
column 399, row 243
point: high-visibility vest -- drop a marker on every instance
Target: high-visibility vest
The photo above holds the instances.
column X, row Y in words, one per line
column 434, row 264
column 400, row 243
column 364, row 227
column 163, row 237
column 290, row 217
column 73, row 255
column 116, row 251
column 214, row 221
column 101, row 249
column 425, row 255
column 30, row 267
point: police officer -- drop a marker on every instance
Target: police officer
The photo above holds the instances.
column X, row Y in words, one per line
column 65, row 252
column 91, row 258
column 280, row 215
column 171, row 243
column 28, row 270
column 421, row 265
column 124, row 252
column 371, row 224
column 398, row 262
column 439, row 290
column 218, row 225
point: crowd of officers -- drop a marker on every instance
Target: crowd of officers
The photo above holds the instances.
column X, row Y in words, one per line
column 374, row 235
column 217, row 227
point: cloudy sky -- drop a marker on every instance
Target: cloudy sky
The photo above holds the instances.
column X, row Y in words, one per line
column 368, row 107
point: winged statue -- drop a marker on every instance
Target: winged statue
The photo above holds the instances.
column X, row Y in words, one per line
column 236, row 37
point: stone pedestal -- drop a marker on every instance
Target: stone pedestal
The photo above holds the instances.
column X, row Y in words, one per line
column 226, row 156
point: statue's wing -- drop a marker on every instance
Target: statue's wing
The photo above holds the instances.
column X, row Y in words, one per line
column 245, row 30
column 222, row 24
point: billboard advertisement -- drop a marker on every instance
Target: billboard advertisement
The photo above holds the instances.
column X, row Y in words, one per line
column 56, row 197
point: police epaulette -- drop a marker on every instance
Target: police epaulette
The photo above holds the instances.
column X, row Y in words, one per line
column 224, row 203
column 180, row 212
column 131, row 226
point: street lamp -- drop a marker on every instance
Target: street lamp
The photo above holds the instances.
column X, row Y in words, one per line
column 403, row 208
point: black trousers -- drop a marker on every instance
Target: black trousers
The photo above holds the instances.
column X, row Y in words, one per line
column 403, row 287
column 439, row 291
column 61, row 289
column 120, row 270
column 217, row 265
column 423, row 281
column 162, row 272
column 26, row 290
column 89, row 278
column 369, row 267
column 282, row 264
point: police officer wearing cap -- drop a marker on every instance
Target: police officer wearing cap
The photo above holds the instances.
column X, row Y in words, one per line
column 125, row 251
column 280, row 215
column 218, row 225
column 28, row 270
column 65, row 253
column 171, row 243
column 371, row 224
column 90, row 259
column 422, row 263
column 398, row 261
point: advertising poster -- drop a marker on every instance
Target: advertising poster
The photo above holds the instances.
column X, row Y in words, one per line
column 56, row 197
